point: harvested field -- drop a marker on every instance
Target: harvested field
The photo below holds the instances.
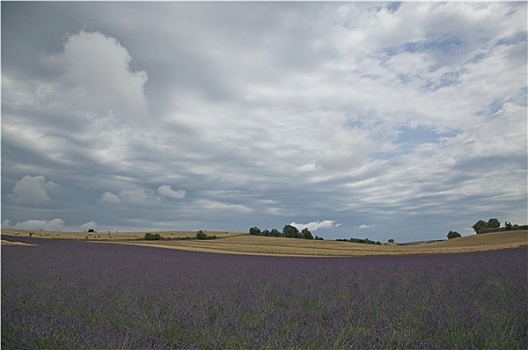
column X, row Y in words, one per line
column 247, row 244
column 113, row 235
column 243, row 243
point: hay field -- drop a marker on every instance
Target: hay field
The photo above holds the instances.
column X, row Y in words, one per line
column 243, row 243
column 255, row 245
column 112, row 235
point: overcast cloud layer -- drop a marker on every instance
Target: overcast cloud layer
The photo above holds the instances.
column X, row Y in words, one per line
column 371, row 120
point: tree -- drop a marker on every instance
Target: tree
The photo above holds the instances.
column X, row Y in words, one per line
column 479, row 226
column 201, row 235
column 152, row 236
column 453, row 234
column 306, row 234
column 290, row 231
column 254, row 231
column 275, row 233
column 493, row 223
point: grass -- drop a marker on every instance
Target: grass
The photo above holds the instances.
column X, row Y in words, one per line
column 243, row 243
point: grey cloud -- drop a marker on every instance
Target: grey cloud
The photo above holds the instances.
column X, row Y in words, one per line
column 265, row 114
column 167, row 191
column 110, row 198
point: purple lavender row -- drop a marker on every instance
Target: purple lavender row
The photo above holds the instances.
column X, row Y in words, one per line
column 78, row 295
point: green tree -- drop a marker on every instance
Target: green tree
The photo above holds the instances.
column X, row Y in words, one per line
column 290, row 231
column 152, row 236
column 306, row 234
column 493, row 223
column 275, row 233
column 453, row 234
column 254, row 231
column 201, row 235
column 480, row 226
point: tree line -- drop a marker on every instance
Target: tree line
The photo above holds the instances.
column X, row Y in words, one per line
column 492, row 225
column 288, row 231
column 360, row 240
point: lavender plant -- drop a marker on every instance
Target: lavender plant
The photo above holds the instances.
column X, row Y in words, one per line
column 77, row 295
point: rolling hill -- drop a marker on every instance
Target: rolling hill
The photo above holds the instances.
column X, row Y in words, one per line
column 243, row 243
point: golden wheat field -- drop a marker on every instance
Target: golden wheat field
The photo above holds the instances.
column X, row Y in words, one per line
column 112, row 236
column 243, row 243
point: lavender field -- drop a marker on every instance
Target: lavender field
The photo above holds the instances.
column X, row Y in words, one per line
column 79, row 295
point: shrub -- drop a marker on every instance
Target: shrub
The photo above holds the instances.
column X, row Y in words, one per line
column 453, row 234
column 202, row 235
column 152, row 236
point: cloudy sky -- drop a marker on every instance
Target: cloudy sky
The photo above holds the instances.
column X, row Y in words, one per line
column 378, row 120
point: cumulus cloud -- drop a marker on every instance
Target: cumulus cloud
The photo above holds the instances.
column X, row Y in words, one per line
column 316, row 225
column 32, row 190
column 97, row 78
column 89, row 225
column 361, row 112
column 53, row 225
column 167, row 191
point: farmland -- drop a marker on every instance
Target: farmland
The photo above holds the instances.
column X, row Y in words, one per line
column 71, row 294
column 243, row 243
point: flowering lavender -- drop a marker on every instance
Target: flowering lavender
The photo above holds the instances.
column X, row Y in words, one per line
column 78, row 295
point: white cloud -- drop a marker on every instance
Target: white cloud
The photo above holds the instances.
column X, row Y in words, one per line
column 129, row 196
column 53, row 225
column 89, row 225
column 365, row 226
column 324, row 119
column 216, row 205
column 31, row 190
column 97, row 78
column 316, row 225
column 167, row 191
column 110, row 198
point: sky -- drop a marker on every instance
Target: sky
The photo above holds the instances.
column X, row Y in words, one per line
column 352, row 119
